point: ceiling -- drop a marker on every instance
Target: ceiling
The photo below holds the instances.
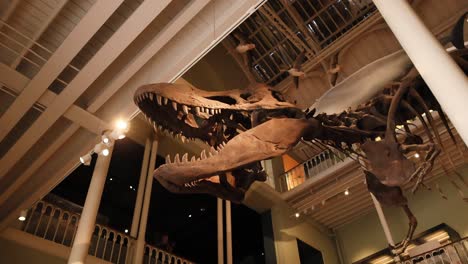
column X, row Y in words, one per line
column 68, row 70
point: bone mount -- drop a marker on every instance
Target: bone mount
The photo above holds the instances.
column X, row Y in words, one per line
column 185, row 109
column 184, row 159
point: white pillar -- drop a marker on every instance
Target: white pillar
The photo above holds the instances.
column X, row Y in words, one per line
column 220, row 232
column 79, row 250
column 141, row 190
column 445, row 79
column 140, row 243
column 228, row 233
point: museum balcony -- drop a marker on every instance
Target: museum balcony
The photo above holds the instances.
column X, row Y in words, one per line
column 49, row 228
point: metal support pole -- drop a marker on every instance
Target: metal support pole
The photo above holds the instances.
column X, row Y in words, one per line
column 443, row 76
column 140, row 243
column 228, row 233
column 79, row 250
column 383, row 222
column 141, row 190
column 220, row 232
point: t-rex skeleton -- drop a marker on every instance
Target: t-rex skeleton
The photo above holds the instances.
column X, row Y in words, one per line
column 248, row 125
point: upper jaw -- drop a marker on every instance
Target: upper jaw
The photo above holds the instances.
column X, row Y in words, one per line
column 189, row 96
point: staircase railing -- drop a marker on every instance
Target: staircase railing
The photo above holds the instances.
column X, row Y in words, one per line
column 55, row 224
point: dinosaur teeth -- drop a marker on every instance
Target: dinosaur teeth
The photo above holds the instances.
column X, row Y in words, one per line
column 151, row 96
column 168, row 159
column 185, row 109
column 185, row 157
column 192, row 159
column 203, row 154
column 211, row 111
column 165, row 100
column 174, row 105
column 158, row 99
column 184, row 139
column 176, row 158
column 231, row 117
column 197, row 110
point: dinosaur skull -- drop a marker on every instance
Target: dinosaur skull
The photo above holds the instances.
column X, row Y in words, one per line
column 245, row 126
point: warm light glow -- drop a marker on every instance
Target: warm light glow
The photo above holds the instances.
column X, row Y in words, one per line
column 105, row 152
column 416, row 155
column 399, row 126
column 23, row 215
column 189, row 215
column 126, row 231
column 297, row 215
column 121, row 136
column 378, row 139
column 346, row 192
column 121, row 124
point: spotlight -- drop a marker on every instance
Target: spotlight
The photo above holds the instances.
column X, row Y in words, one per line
column 378, row 139
column 126, row 231
column 297, row 215
column 23, row 215
column 346, row 192
column 416, row 155
column 86, row 159
column 105, row 152
column 105, row 139
column 101, row 148
column 190, row 216
column 121, row 125
column 117, row 134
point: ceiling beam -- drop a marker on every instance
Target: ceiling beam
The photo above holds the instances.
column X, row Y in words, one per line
column 118, row 42
column 81, row 34
column 161, row 39
column 16, row 82
column 30, row 42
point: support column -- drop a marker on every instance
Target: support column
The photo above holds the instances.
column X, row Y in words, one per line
column 228, row 233
column 220, row 232
column 140, row 243
column 79, row 250
column 383, row 222
column 141, row 190
column 445, row 79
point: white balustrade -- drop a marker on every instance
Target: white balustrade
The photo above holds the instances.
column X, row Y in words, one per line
column 315, row 165
column 456, row 252
column 52, row 223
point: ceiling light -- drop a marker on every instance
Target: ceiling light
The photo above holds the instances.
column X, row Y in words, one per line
column 346, row 192
column 86, row 159
column 297, row 215
column 189, row 215
column 23, row 215
column 105, row 139
column 105, row 152
column 416, row 155
column 121, row 125
column 126, row 231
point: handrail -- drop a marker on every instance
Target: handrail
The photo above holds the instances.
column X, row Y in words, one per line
column 52, row 223
column 309, row 168
column 455, row 252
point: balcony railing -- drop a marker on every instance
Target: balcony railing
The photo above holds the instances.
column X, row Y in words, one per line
column 308, row 169
column 456, row 252
column 49, row 222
